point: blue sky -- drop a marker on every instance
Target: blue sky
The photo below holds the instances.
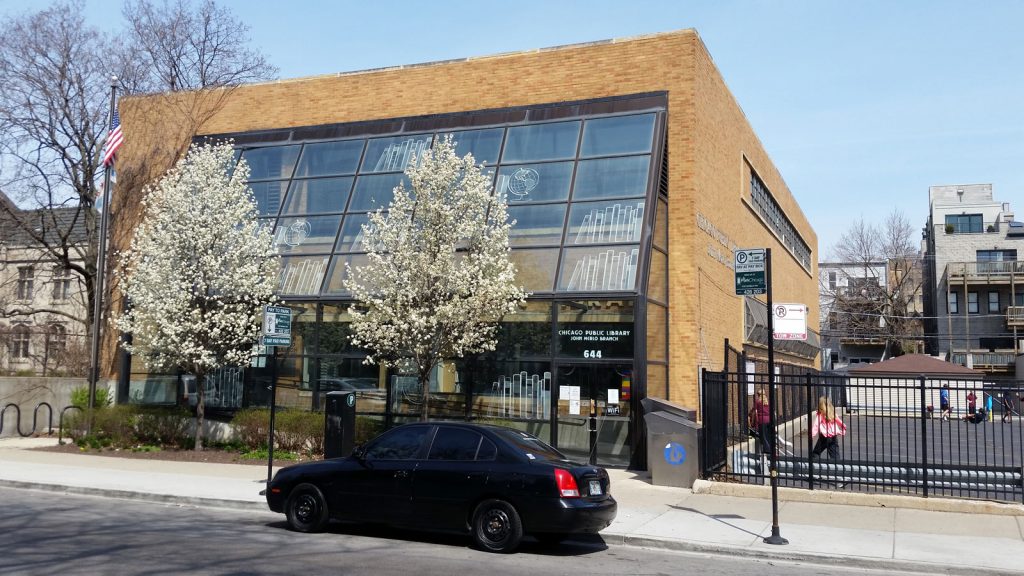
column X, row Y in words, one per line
column 861, row 105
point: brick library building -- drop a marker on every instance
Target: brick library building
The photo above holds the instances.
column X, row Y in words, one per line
column 631, row 173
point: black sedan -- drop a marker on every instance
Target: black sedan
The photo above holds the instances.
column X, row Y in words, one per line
column 494, row 483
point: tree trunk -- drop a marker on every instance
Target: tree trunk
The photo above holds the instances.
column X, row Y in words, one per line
column 425, row 388
column 200, row 409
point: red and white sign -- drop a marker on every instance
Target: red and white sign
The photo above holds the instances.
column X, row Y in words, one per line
column 790, row 321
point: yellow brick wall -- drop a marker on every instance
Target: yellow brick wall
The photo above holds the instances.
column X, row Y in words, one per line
column 707, row 138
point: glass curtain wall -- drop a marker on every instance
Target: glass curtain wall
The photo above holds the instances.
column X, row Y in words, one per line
column 578, row 181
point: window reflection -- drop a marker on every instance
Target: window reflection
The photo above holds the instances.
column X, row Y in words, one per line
column 618, row 135
column 612, row 177
column 605, row 222
column 329, row 158
column 554, row 141
column 320, row 195
column 535, row 182
column 336, row 281
column 306, row 235
column 535, row 269
column 351, row 239
column 527, row 332
column 597, row 269
column 536, row 225
column 302, row 275
column 375, row 191
column 483, row 144
column 271, row 162
column 268, row 196
column 395, row 154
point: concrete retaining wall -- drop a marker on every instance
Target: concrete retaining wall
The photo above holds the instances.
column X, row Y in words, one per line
column 29, row 392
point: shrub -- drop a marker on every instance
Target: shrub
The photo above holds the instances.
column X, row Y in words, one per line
column 299, row 431
column 163, row 426
column 113, row 426
column 80, row 397
column 949, row 228
column 252, row 426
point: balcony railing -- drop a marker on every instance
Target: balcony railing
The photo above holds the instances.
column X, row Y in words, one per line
column 986, row 271
column 994, row 361
column 1015, row 316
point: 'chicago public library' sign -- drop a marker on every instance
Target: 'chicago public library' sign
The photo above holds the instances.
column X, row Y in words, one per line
column 596, row 340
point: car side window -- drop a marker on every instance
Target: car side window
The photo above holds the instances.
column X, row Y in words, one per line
column 454, row 444
column 487, row 451
column 400, row 444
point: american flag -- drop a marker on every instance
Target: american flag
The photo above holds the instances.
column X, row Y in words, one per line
column 114, row 140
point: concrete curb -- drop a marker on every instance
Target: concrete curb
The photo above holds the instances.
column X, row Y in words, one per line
column 139, row 496
column 781, row 553
column 859, row 499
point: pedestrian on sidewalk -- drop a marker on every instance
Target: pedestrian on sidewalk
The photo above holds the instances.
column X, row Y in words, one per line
column 760, row 419
column 972, row 401
column 944, row 402
column 827, row 427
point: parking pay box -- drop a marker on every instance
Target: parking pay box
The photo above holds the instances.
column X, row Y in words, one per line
column 340, row 424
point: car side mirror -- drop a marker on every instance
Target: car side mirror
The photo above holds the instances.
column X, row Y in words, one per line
column 359, row 453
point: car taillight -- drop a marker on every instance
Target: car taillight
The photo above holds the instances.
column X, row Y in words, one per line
column 567, row 487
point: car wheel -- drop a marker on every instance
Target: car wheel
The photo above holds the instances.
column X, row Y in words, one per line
column 550, row 538
column 496, row 526
column 306, row 509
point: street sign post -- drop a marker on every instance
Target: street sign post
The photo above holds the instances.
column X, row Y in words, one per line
column 277, row 326
column 749, row 265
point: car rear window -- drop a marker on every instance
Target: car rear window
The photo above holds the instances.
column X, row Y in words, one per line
column 534, row 448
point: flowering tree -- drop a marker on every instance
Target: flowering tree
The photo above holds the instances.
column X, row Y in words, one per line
column 439, row 277
column 199, row 271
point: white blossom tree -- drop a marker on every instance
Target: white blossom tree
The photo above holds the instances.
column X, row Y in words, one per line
column 439, row 276
column 199, row 271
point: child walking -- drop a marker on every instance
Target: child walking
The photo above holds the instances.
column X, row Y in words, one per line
column 827, row 427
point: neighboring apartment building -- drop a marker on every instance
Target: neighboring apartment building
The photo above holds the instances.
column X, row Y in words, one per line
column 870, row 311
column 975, row 297
column 42, row 304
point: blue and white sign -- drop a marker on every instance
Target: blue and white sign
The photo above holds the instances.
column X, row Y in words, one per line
column 675, row 454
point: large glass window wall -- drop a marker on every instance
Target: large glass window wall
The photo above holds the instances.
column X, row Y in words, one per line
column 576, row 189
column 580, row 194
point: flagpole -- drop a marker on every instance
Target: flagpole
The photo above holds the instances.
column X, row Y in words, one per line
column 101, row 260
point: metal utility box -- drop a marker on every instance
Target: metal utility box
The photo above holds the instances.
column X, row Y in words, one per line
column 673, row 444
column 339, row 424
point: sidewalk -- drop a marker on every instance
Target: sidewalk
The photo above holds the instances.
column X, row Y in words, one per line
column 885, row 532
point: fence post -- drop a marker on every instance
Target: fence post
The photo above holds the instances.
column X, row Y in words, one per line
column 924, row 436
column 810, row 441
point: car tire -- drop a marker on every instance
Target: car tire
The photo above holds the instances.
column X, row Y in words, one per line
column 306, row 509
column 496, row 526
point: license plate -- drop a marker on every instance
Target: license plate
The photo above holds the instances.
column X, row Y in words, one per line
column 595, row 487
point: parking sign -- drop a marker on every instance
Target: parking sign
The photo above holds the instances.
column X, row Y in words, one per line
column 750, row 276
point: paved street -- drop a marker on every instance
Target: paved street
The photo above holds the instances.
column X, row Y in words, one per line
column 45, row 533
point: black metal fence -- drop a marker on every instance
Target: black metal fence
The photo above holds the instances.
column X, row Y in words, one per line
column 898, row 439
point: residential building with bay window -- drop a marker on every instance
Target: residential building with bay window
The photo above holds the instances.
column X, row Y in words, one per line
column 632, row 176
column 975, row 304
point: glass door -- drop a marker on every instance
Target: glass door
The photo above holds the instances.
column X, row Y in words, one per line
column 593, row 413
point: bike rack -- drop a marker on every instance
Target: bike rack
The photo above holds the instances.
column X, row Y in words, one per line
column 35, row 418
column 60, row 430
column 17, row 411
